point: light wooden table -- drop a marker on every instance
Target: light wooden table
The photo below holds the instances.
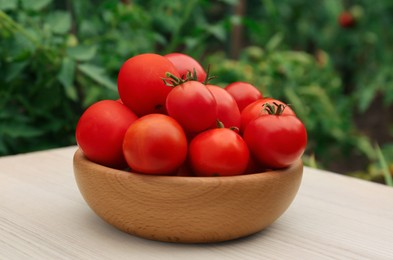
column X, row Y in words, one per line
column 43, row 216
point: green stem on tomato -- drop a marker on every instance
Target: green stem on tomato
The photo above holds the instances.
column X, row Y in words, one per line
column 219, row 124
column 274, row 109
column 208, row 77
column 172, row 81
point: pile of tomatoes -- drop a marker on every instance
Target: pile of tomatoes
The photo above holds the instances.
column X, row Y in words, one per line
column 170, row 121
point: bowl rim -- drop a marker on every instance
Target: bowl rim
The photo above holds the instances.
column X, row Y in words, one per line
column 80, row 159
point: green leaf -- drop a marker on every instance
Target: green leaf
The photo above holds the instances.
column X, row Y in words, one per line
column 59, row 21
column 20, row 48
column 296, row 103
column 333, row 8
column 98, row 75
column 8, row 4
column 366, row 96
column 217, row 31
column 363, row 144
column 236, row 20
column 298, row 56
column 274, row 42
column 82, row 53
column 14, row 69
column 66, row 77
column 35, row 5
column 326, row 105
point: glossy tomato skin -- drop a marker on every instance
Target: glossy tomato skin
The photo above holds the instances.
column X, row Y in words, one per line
column 193, row 105
column 276, row 141
column 255, row 109
column 140, row 83
column 244, row 93
column 185, row 63
column 218, row 152
column 155, row 144
column 227, row 110
column 100, row 132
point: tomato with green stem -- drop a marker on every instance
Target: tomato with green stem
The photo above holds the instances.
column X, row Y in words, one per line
column 276, row 140
column 191, row 103
column 256, row 109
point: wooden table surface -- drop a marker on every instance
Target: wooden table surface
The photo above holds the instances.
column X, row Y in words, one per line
column 43, row 216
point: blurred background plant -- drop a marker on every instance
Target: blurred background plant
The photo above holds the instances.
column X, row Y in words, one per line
column 329, row 59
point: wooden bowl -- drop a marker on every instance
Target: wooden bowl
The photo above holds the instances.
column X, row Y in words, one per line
column 186, row 209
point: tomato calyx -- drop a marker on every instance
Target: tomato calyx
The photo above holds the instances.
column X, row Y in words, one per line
column 274, row 109
column 173, row 81
column 208, row 77
column 219, row 124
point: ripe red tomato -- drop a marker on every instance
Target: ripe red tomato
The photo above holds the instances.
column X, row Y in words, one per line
column 185, row 64
column 100, row 132
column 192, row 105
column 218, row 152
column 227, row 110
column 276, row 141
column 155, row 144
column 244, row 93
column 140, row 83
column 346, row 20
column 256, row 109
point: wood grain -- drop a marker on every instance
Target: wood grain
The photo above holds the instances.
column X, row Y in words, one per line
column 43, row 216
column 186, row 209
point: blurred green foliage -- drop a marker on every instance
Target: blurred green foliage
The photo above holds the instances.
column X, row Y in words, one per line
column 58, row 57
column 361, row 54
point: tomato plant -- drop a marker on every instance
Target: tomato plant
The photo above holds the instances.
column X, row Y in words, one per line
column 244, row 93
column 193, row 105
column 256, row 109
column 100, row 132
column 140, row 83
column 276, row 140
column 155, row 144
column 218, row 152
column 186, row 64
column 227, row 110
